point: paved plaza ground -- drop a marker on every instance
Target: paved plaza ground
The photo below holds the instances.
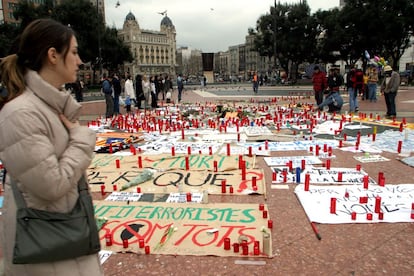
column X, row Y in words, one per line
column 345, row 249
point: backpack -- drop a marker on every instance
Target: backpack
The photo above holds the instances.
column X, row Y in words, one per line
column 106, row 87
column 359, row 79
column 359, row 76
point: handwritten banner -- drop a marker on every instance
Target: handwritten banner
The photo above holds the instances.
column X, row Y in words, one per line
column 318, row 175
column 172, row 197
column 354, row 204
column 172, row 181
column 294, row 145
column 191, row 229
column 168, row 162
column 296, row 160
column 371, row 158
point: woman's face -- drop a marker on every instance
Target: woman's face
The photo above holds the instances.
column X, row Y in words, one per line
column 68, row 66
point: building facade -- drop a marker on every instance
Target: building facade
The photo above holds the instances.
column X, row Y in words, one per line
column 154, row 52
column 7, row 7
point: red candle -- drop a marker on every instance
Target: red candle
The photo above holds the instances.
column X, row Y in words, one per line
column 210, row 150
column 125, row 243
column 147, row 249
column 377, row 204
column 328, row 164
column 274, row 175
column 353, row 215
column 261, row 206
column 380, row 216
column 215, row 165
column 231, row 189
column 290, row 165
column 188, row 197
column 366, row 180
column 173, row 151
column 399, row 146
column 187, row 163
column 139, row 190
column 243, row 171
column 382, row 182
column 307, row 180
column 108, row 239
column 254, row 181
column 303, row 164
column 140, row 161
column 228, row 149
column 141, row 243
column 256, row 250
column 358, row 167
column 333, row 205
column 189, row 150
column 369, row 216
column 339, row 176
column 103, row 189
column 250, row 151
column 264, row 214
column 270, row 224
column 133, row 150
column 245, row 249
column 380, row 176
column 236, row 247
column 223, row 186
column 117, row 163
column 226, row 243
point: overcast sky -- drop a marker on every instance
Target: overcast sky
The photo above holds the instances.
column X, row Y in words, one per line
column 207, row 25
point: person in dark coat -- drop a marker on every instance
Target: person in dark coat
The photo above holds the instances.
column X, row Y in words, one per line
column 116, row 83
column 139, row 92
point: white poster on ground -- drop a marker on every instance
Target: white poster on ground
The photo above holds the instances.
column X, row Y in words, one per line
column 338, row 204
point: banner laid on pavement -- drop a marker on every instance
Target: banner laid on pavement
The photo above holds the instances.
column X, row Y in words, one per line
column 218, row 229
column 354, row 204
column 321, row 175
column 173, row 181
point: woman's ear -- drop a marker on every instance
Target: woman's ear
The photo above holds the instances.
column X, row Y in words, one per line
column 52, row 55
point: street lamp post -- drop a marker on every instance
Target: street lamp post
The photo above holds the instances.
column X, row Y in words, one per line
column 99, row 43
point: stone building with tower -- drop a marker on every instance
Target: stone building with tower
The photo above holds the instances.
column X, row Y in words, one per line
column 153, row 52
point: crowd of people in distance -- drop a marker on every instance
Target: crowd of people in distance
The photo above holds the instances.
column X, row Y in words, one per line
column 140, row 93
column 358, row 85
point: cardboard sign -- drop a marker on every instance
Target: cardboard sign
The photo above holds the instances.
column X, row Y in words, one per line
column 183, row 181
column 190, row 229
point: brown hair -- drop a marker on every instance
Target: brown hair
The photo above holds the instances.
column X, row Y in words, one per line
column 32, row 48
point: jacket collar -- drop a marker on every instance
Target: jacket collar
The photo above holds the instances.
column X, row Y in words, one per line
column 61, row 101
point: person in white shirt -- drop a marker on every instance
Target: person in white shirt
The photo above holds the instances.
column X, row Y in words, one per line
column 129, row 93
